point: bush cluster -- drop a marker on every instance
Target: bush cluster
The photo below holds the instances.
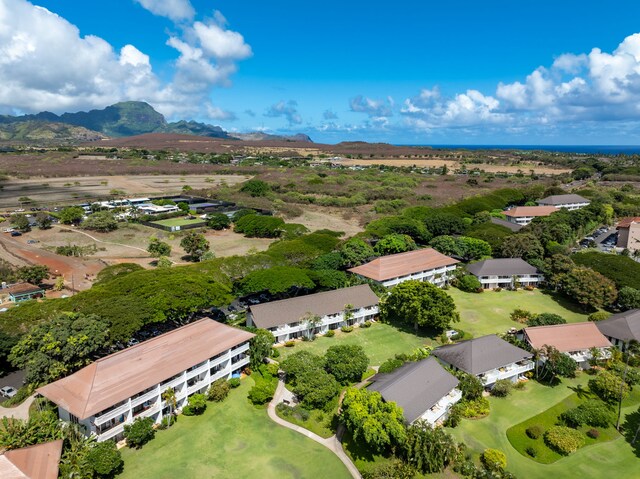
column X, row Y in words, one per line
column 535, row 431
column 592, row 413
column 502, row 388
column 346, row 329
column 494, row 460
column 330, row 334
column 563, row 440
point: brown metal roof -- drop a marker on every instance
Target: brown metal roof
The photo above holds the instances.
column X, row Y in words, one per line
column 567, row 337
column 519, row 211
column 33, row 462
column 22, row 288
column 626, row 222
column 288, row 311
column 402, row 264
column 121, row 375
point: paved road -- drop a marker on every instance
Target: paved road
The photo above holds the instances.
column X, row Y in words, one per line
column 332, row 443
column 20, row 411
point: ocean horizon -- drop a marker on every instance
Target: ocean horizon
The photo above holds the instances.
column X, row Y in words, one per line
column 580, row 149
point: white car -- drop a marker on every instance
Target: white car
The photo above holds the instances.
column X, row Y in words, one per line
column 8, row 391
column 9, row 230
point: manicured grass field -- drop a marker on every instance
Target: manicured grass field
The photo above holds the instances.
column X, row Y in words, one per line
column 231, row 440
column 605, row 459
column 179, row 222
column 488, row 312
column 380, row 342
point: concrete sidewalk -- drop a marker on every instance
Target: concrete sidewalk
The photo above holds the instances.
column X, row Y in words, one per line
column 21, row 411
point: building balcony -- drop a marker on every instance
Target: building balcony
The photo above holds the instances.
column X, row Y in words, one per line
column 110, row 433
column 200, row 369
column 438, row 410
column 154, row 393
column 506, row 372
column 112, row 414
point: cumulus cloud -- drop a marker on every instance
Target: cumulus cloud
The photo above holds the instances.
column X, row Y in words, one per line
column 330, row 115
column 288, row 110
column 373, row 108
column 37, row 71
column 175, row 10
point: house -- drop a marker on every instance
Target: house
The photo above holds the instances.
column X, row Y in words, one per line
column 621, row 328
column 423, row 389
column 523, row 215
column 570, row 201
column 487, row 357
column 575, row 340
column 289, row 318
column 425, row 264
column 151, row 209
column 34, row 462
column 119, row 388
column 19, row 292
column 505, row 273
column 629, row 233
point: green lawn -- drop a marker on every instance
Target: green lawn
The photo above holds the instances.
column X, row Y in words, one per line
column 179, row 222
column 606, row 459
column 231, row 440
column 380, row 342
column 488, row 312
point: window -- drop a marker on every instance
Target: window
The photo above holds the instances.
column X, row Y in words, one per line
column 73, row 419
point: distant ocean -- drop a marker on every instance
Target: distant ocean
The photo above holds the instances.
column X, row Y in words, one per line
column 586, row 149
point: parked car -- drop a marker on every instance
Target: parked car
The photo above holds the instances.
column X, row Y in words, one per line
column 8, row 230
column 16, row 233
column 32, row 241
column 8, row 391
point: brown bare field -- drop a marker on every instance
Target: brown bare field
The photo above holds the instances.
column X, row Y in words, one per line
column 67, row 190
column 318, row 218
column 453, row 164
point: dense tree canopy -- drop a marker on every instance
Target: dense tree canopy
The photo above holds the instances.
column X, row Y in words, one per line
column 195, row 245
column 301, row 362
column 255, row 188
column 355, row 252
column 421, row 304
column 71, row 215
column 429, row 450
column 622, row 270
column 523, row 245
column 277, row 281
column 260, row 347
column 394, row 243
column 589, row 288
column 347, row 363
column 102, row 221
column 33, row 274
column 218, row 221
column 258, row 226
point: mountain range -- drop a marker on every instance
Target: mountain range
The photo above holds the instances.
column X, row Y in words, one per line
column 122, row 119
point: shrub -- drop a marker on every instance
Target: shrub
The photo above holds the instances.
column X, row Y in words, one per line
column 234, row 382
column 502, row 388
column 139, row 432
column 390, row 365
column 494, row 460
column 563, row 440
column 346, row 329
column 477, row 408
column 535, row 431
column 261, row 393
column 593, row 413
column 330, row 334
column 545, row 319
column 531, row 451
column 608, row 386
column 366, row 324
column 275, row 353
column 593, row 433
column 454, row 417
column 219, row 390
column 289, row 344
column 196, row 405
column 167, row 421
column 470, row 284
column 105, row 459
column 598, row 316
column 521, row 315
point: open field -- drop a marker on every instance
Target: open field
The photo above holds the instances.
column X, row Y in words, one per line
column 488, row 312
column 78, row 189
column 318, row 218
column 606, row 459
column 380, row 342
column 179, row 222
column 231, row 440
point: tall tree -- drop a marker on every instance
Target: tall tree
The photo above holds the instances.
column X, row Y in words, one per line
column 33, row 274
column 589, row 288
column 71, row 215
column 430, row 450
column 523, row 245
column 260, row 347
column 195, row 245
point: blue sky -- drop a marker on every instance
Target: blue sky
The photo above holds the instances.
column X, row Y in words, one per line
column 405, row 72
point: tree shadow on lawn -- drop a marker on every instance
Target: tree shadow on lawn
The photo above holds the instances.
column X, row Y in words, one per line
column 631, row 432
column 582, row 392
column 565, row 302
column 425, row 333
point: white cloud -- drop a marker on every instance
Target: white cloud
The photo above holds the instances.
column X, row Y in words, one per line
column 330, row 115
column 288, row 110
column 373, row 108
column 45, row 64
column 175, row 10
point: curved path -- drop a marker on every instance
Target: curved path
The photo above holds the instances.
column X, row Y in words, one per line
column 21, row 411
column 101, row 241
column 332, row 443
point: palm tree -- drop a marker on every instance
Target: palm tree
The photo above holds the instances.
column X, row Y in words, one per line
column 633, row 348
column 169, row 396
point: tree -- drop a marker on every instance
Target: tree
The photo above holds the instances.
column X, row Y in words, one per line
column 71, row 215
column 38, row 428
column 259, row 226
column 430, row 450
column 628, row 298
column 183, row 206
column 171, row 400
column 473, row 248
column 445, row 244
column 300, row 363
column 439, row 223
column 608, row 386
column 316, row 388
column 105, row 459
column 470, row 386
column 546, row 319
column 394, row 243
column 33, row 274
column 347, row 363
column 102, row 221
column 139, row 432
column 219, row 390
column 158, row 248
column 255, row 188
column 276, row 280
column 195, row 245
column 523, row 245
column 164, row 262
column 379, row 424
column 43, row 220
column 21, row 222
column 555, row 268
column 470, row 284
column 218, row 221
column 260, row 347
column 311, row 322
column 589, row 288
column 421, row 304
column 59, row 346
column 196, row 405
column 555, row 363
column 355, row 252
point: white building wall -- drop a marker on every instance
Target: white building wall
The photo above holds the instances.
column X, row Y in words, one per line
column 438, row 276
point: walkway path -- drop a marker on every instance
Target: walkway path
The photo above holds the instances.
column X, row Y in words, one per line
column 21, row 411
column 101, row 241
column 332, row 443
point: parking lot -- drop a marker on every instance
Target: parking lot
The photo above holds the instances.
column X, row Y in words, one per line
column 604, row 239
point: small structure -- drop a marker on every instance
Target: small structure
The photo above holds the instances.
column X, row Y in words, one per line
column 507, row 224
column 16, row 293
column 425, row 264
column 621, row 328
column 423, row 389
column 119, row 388
column 629, row 233
column 487, row 357
column 505, row 273
column 569, row 201
column 151, row 209
column 523, row 215
column 315, row 313
column 34, row 462
column 575, row 340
